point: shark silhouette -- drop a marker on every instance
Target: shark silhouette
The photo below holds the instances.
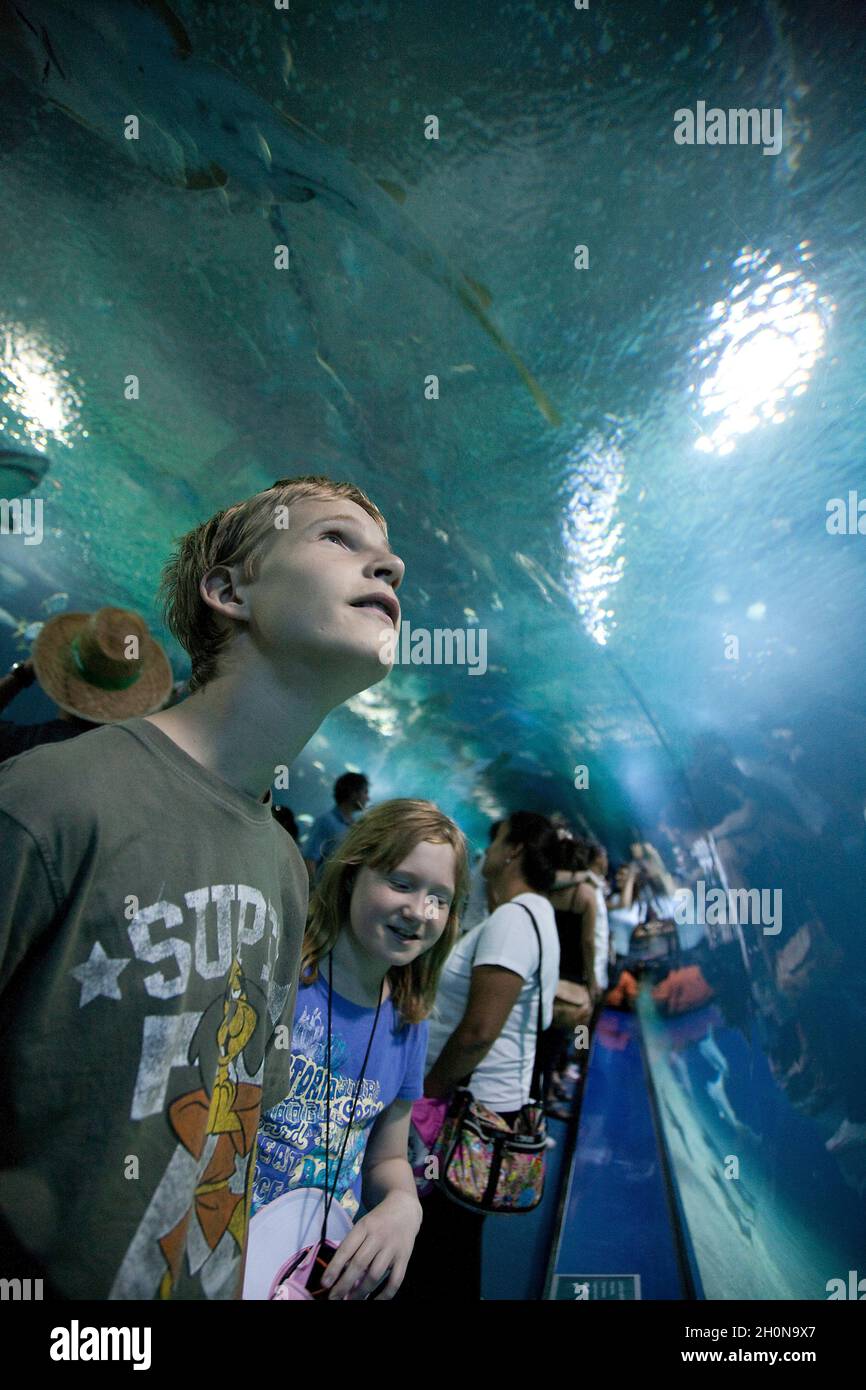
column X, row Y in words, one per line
column 199, row 127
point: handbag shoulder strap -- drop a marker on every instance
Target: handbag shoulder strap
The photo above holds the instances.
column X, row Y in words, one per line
column 536, row 1069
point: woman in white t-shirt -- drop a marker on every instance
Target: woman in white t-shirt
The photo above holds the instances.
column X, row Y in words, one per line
column 484, row 1027
column 642, row 884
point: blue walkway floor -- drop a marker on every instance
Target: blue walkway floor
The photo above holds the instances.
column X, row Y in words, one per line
column 616, row 1238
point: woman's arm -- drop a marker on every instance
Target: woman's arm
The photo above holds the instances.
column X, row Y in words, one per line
column 656, row 866
column 493, row 993
column 381, row 1241
column 587, row 907
column 625, row 881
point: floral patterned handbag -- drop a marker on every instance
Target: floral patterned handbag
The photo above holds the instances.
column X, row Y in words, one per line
column 485, row 1163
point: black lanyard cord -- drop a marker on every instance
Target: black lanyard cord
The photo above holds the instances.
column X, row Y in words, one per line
column 329, row 1196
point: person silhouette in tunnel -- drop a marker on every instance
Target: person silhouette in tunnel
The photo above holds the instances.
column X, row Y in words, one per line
column 152, row 909
column 351, row 794
column 484, row 1028
column 582, row 925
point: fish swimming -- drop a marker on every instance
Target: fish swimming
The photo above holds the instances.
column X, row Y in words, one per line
column 540, row 577
column 783, row 78
column 715, row 1089
column 56, row 603
column 20, row 472
column 199, row 127
column 712, row 1054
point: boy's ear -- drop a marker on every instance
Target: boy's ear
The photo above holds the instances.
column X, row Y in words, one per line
column 220, row 583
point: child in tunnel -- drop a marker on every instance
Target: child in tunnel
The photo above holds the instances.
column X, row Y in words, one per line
column 382, row 923
column 152, row 910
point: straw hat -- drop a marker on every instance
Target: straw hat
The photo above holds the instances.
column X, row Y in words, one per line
column 89, row 667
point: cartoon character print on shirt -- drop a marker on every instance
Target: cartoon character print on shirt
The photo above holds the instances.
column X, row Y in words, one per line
column 194, row 1224
column 223, row 1120
column 294, row 1136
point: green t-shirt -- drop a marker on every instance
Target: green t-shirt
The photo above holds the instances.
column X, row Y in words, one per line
column 151, row 919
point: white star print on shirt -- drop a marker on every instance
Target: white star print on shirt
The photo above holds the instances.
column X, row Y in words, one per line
column 98, row 975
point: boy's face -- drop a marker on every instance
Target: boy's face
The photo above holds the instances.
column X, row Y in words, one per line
column 399, row 914
column 324, row 595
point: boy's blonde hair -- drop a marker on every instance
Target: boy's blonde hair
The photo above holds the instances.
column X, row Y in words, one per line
column 381, row 839
column 238, row 535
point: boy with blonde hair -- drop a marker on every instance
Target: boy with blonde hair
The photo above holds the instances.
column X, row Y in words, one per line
column 152, row 911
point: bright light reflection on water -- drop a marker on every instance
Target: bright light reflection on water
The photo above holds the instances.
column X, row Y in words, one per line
column 39, row 393
column 590, row 532
column 768, row 335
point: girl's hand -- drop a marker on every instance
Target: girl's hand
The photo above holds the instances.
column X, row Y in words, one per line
column 380, row 1242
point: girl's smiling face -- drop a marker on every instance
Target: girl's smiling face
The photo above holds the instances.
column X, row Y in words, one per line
column 397, row 914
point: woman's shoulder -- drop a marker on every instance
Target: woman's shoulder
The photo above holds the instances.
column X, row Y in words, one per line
column 501, row 919
column 530, row 899
column 516, row 914
column 537, row 903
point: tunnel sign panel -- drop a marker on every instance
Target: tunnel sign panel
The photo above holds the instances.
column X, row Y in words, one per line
column 581, row 1288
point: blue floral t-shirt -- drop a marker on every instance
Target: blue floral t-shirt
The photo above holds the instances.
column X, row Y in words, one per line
column 291, row 1138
